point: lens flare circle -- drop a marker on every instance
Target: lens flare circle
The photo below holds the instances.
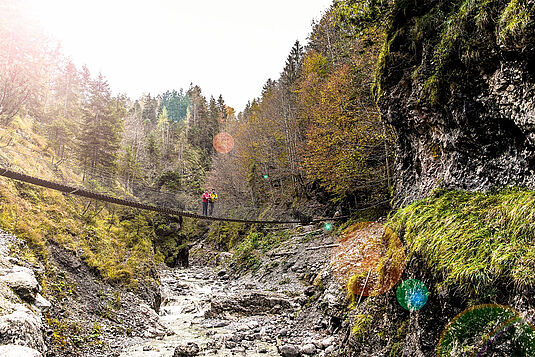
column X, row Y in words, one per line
column 488, row 330
column 369, row 259
column 223, row 143
column 412, row 294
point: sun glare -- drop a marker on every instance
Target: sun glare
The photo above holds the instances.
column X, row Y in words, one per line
column 153, row 46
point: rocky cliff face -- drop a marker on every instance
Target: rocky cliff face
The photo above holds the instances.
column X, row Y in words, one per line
column 458, row 85
column 79, row 315
column 21, row 306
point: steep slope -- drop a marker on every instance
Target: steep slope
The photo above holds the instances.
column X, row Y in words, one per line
column 96, row 263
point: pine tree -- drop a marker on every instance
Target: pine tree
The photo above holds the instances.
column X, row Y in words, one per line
column 150, row 109
column 293, row 133
column 176, row 103
column 293, row 66
column 65, row 112
column 100, row 132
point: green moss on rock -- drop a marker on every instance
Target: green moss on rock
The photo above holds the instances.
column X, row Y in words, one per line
column 473, row 240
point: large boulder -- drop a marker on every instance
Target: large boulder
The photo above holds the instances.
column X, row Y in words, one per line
column 8, row 299
column 42, row 303
column 250, row 303
column 18, row 351
column 289, row 351
column 23, row 282
column 189, row 349
column 22, row 327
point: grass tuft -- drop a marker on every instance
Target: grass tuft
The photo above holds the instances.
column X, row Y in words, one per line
column 473, row 239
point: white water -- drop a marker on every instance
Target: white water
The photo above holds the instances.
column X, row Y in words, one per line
column 186, row 298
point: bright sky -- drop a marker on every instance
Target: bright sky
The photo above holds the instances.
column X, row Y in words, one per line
column 226, row 47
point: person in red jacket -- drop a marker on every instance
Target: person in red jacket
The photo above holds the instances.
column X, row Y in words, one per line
column 205, row 200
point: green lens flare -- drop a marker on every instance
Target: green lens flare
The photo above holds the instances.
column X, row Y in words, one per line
column 412, row 294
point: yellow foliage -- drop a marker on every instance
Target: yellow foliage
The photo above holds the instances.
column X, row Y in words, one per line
column 345, row 139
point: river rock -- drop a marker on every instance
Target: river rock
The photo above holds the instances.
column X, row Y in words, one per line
column 23, row 283
column 283, row 332
column 289, row 351
column 237, row 337
column 22, row 327
column 230, row 344
column 308, row 349
column 223, row 258
column 187, row 350
column 18, row 351
column 221, row 323
column 326, row 342
column 310, row 290
column 253, row 324
column 250, row 303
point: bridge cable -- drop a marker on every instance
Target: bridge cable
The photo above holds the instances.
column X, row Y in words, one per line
column 129, row 203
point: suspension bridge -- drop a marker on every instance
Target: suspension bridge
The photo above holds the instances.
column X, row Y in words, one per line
column 14, row 175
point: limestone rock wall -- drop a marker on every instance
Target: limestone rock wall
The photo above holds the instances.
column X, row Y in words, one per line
column 458, row 86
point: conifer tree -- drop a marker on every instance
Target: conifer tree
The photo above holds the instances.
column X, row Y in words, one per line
column 100, row 131
column 176, row 103
column 64, row 124
column 150, row 109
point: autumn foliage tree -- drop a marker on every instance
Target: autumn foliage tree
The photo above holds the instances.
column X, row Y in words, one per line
column 347, row 144
column 315, row 136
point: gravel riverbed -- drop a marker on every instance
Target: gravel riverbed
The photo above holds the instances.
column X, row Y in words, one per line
column 211, row 315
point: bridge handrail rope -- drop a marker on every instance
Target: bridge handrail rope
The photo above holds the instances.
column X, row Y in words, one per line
column 129, row 203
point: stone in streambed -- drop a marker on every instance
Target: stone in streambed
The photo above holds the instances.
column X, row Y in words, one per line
column 326, row 342
column 310, row 290
column 230, row 344
column 187, row 350
column 308, row 349
column 289, row 351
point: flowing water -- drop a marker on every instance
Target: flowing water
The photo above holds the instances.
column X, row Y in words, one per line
column 186, row 298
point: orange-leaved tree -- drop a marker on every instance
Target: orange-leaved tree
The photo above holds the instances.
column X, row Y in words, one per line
column 347, row 143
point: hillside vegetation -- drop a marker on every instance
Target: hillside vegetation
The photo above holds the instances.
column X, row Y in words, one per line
column 116, row 242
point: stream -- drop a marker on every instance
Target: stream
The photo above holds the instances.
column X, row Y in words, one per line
column 187, row 295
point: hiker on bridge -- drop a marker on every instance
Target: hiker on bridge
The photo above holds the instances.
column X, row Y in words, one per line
column 211, row 201
column 205, row 198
